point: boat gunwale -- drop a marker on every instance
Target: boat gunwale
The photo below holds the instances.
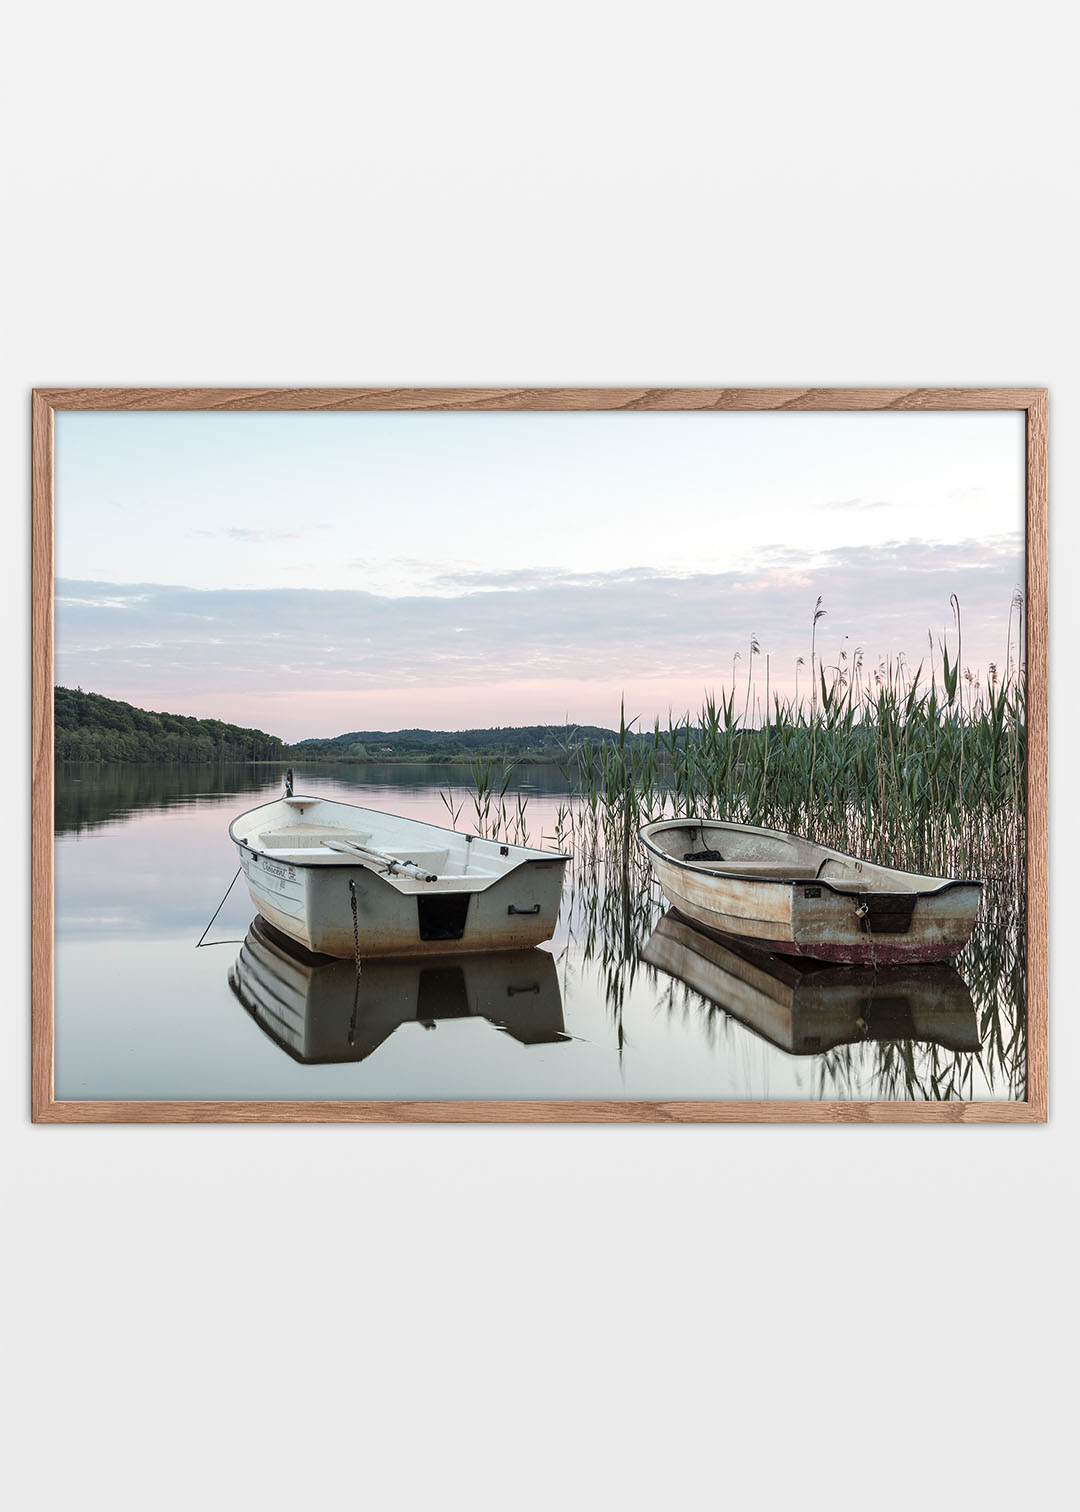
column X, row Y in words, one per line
column 697, row 870
column 533, row 853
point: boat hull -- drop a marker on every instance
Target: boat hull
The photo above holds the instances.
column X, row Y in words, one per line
column 314, row 908
column 873, row 917
column 486, row 896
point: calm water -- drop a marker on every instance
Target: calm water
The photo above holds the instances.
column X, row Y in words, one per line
column 623, row 1003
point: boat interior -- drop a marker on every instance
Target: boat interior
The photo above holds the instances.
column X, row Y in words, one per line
column 744, row 852
column 319, row 831
column 336, row 843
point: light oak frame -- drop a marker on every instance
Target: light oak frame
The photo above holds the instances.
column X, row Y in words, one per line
column 1032, row 402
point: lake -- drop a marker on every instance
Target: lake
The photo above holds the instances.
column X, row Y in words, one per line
column 623, row 1003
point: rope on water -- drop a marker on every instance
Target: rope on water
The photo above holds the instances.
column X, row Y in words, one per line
column 217, row 910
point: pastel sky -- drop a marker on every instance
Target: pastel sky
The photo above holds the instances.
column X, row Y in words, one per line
column 316, row 573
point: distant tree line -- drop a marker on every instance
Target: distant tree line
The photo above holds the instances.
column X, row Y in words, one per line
column 90, row 727
column 522, row 742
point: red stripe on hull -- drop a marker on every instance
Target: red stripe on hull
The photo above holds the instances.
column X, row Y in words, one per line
column 878, row 953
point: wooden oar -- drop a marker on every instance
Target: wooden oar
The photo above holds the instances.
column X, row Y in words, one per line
column 392, row 863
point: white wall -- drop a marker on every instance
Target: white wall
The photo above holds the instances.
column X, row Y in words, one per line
column 578, row 193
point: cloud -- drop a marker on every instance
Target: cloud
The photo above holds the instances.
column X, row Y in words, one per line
column 99, row 596
column 260, row 537
column 535, row 625
column 248, row 537
column 468, row 579
column 858, row 504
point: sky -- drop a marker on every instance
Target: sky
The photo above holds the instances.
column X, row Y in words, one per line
column 311, row 574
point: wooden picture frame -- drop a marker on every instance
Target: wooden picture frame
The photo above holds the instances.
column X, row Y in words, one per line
column 1032, row 402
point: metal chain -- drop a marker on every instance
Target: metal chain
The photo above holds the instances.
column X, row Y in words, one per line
column 356, row 949
column 355, row 925
column 863, row 912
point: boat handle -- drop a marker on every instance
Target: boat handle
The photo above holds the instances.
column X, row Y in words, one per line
column 534, row 909
column 513, row 991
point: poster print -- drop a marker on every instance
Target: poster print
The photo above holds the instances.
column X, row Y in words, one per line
column 544, row 755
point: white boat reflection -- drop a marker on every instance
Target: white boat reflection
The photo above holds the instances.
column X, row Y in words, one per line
column 318, row 1011
column 806, row 1007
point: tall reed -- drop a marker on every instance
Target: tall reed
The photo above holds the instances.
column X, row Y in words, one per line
column 922, row 768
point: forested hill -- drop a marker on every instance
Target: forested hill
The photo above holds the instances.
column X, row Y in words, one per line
column 90, row 727
column 529, row 742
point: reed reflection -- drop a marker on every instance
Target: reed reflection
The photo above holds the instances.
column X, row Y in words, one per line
column 937, row 1033
column 807, row 1007
column 133, row 899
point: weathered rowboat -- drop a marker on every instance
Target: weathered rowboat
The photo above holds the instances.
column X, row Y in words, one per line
column 331, row 874
column 789, row 895
column 318, row 1010
column 807, row 1007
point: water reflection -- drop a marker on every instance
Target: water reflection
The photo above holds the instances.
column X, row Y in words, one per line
column 807, row 1007
column 143, row 859
column 318, row 1010
column 978, row 1051
column 89, row 795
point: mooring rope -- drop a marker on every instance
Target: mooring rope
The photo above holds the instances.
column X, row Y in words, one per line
column 217, row 910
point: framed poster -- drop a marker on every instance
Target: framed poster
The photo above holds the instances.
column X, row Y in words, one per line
column 540, row 755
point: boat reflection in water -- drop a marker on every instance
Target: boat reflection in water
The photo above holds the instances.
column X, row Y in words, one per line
column 317, row 1010
column 806, row 1007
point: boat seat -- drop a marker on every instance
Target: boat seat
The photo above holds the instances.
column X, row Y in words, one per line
column 294, row 852
column 772, row 870
column 307, row 836
column 428, row 860
column 838, row 871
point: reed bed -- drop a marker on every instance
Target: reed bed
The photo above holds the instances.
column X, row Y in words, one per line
column 901, row 784
column 490, row 812
column 917, row 767
column 921, row 768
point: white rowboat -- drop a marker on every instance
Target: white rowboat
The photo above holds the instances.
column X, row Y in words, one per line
column 784, row 894
column 329, row 875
